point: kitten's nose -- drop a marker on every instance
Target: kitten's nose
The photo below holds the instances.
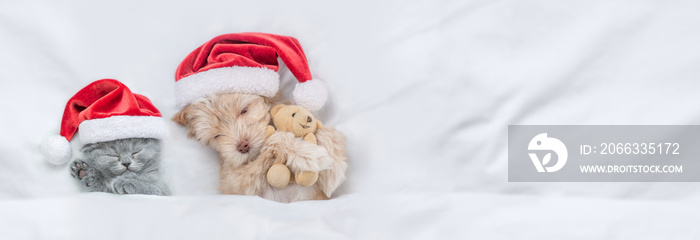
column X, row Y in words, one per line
column 308, row 119
column 243, row 146
column 126, row 164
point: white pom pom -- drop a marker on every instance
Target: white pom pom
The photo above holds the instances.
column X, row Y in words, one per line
column 311, row 94
column 56, row 149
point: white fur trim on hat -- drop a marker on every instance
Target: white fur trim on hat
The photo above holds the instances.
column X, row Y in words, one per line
column 56, row 149
column 121, row 127
column 311, row 94
column 254, row 80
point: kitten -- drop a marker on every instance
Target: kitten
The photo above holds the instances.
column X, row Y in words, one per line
column 124, row 166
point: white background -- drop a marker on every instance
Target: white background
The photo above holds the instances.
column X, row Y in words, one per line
column 424, row 91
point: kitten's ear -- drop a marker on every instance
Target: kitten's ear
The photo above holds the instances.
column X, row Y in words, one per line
column 276, row 109
column 181, row 117
column 89, row 148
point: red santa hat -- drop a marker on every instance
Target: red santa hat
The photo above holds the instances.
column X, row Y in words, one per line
column 104, row 110
column 247, row 63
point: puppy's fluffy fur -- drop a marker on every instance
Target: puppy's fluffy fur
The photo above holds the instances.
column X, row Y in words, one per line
column 224, row 121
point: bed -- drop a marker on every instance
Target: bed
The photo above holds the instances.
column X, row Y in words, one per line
column 423, row 90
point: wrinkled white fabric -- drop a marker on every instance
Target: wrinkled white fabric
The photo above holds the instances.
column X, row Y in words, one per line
column 424, row 91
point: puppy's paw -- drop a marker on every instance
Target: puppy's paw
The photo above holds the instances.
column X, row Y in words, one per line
column 306, row 178
column 278, row 176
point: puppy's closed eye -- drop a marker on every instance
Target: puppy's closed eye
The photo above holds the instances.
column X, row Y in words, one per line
column 244, row 111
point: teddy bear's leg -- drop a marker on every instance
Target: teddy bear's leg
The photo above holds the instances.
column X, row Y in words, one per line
column 306, row 178
column 278, row 175
column 311, row 138
column 269, row 130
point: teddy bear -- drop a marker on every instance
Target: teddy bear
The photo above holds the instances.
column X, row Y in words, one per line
column 300, row 122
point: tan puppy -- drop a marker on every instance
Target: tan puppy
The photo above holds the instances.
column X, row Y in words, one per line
column 234, row 125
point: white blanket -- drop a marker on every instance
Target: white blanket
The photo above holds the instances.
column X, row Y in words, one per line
column 424, row 91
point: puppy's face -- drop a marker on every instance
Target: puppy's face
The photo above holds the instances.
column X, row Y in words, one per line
column 233, row 124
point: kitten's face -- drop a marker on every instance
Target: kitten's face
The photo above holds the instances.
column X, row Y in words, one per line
column 232, row 123
column 118, row 157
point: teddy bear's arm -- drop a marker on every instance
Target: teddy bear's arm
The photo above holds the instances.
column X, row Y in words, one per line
column 311, row 138
column 269, row 130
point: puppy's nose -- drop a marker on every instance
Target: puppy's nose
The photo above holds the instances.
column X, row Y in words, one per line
column 308, row 119
column 243, row 146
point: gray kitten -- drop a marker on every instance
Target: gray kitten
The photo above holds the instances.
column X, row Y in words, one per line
column 124, row 166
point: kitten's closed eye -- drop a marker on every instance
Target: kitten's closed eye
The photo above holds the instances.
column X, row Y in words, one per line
column 110, row 157
column 106, row 160
column 135, row 153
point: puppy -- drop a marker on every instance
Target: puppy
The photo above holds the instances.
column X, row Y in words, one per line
column 234, row 125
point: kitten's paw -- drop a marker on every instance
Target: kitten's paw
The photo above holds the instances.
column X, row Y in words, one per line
column 125, row 188
column 78, row 169
column 82, row 171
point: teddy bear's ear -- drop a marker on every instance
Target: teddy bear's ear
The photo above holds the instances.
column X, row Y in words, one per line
column 276, row 109
column 181, row 117
column 319, row 125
